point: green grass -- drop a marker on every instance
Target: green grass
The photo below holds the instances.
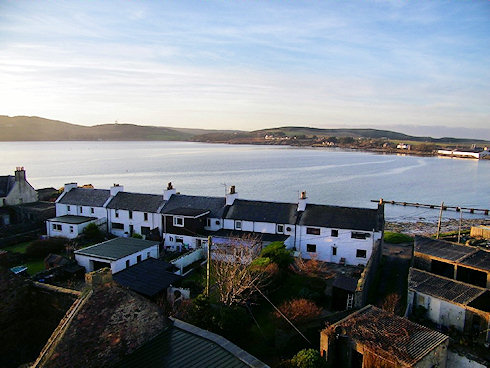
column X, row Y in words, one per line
column 397, row 238
column 18, row 248
column 35, row 266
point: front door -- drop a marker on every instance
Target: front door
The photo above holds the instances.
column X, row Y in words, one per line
column 131, row 230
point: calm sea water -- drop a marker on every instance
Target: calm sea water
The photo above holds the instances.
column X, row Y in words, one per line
column 259, row 172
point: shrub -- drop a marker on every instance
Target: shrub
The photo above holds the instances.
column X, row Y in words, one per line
column 397, row 238
column 278, row 254
column 298, row 311
column 308, row 358
column 92, row 232
column 137, row 236
column 231, row 320
column 41, row 248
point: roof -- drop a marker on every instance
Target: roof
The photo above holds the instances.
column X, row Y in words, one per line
column 273, row 212
column 192, row 212
column 184, row 345
column 442, row 287
column 56, row 259
column 442, row 249
column 6, row 184
column 117, row 248
column 345, row 283
column 215, row 205
column 86, row 197
column 136, row 202
column 480, row 259
column 224, row 233
column 148, row 278
column 341, row 217
column 391, row 336
column 72, row 219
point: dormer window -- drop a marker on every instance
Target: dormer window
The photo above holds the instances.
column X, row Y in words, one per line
column 280, row 229
column 178, row 221
column 238, row 225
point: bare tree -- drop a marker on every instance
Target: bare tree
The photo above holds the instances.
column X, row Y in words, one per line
column 234, row 278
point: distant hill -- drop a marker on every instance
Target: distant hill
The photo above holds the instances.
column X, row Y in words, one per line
column 33, row 128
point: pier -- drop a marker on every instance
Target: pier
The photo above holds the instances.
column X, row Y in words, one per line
column 435, row 206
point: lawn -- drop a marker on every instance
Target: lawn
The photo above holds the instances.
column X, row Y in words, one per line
column 18, row 248
column 396, row 238
column 34, row 266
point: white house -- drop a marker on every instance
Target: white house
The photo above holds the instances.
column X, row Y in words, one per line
column 118, row 254
column 478, row 154
column 69, row 226
column 87, row 202
column 16, row 189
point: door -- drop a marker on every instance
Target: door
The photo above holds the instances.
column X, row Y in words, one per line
column 131, row 230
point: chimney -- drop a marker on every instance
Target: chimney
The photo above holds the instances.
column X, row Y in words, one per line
column 20, row 174
column 116, row 188
column 303, row 199
column 231, row 196
column 167, row 193
column 69, row 186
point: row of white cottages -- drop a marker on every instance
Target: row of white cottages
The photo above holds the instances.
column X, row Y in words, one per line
column 328, row 233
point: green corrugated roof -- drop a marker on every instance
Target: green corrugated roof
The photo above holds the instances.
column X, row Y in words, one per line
column 116, row 248
column 176, row 348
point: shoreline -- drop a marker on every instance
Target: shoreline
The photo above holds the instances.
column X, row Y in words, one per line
column 430, row 228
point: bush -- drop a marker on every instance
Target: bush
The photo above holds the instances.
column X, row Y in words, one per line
column 397, row 238
column 298, row 311
column 41, row 248
column 231, row 320
column 92, row 232
column 308, row 358
column 278, row 254
column 137, row 236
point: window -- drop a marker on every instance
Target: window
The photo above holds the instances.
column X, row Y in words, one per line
column 117, row 226
column 54, row 226
column 127, row 263
column 171, row 238
column 81, row 209
column 57, row 227
column 145, row 216
column 334, row 251
column 280, row 229
column 358, row 235
column 145, row 230
column 179, row 239
column 130, row 215
column 208, row 222
column 178, row 221
column 217, row 222
column 334, row 233
column 311, row 248
column 68, row 208
column 361, row 253
column 313, row 230
column 116, row 213
column 138, row 259
column 288, row 228
column 92, row 210
column 238, row 225
column 71, row 229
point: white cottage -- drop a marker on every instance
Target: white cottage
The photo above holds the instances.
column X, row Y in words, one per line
column 69, row 226
column 16, row 189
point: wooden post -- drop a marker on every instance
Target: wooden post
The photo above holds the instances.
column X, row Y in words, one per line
column 208, row 266
column 439, row 222
column 459, row 230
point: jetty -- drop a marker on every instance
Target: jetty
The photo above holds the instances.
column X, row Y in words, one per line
column 435, row 206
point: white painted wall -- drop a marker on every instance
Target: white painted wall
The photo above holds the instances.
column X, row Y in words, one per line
column 119, row 264
column 213, row 225
column 21, row 192
column 188, row 241
column 62, row 209
column 188, row 259
column 137, row 220
column 70, row 231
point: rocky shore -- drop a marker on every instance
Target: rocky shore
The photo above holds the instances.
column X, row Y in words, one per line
column 430, row 228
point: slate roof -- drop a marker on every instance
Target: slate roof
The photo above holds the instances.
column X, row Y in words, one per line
column 338, row 217
column 6, row 184
column 345, row 283
column 224, row 233
column 86, row 197
column 117, row 248
column 480, row 259
column 272, row 212
column 442, row 287
column 182, row 211
column 442, row 249
column 72, row 219
column 184, row 345
column 391, row 336
column 136, row 202
column 149, row 278
column 216, row 205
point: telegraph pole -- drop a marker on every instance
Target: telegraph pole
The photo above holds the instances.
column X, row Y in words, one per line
column 459, row 229
column 440, row 219
column 208, row 266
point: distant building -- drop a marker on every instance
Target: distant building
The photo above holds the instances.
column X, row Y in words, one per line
column 372, row 337
column 16, row 189
column 404, row 146
column 474, row 153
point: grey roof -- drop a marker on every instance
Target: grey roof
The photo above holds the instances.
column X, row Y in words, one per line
column 182, row 211
column 6, row 184
column 395, row 338
column 442, row 287
column 345, row 283
column 86, row 197
column 442, row 249
column 480, row 259
column 216, row 205
column 180, row 346
column 136, row 202
column 273, row 212
column 149, row 278
column 265, row 237
column 72, row 219
column 341, row 217
column 117, row 248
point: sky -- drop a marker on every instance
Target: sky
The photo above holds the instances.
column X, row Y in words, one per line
column 249, row 64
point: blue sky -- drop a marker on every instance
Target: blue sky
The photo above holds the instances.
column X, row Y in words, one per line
column 243, row 64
